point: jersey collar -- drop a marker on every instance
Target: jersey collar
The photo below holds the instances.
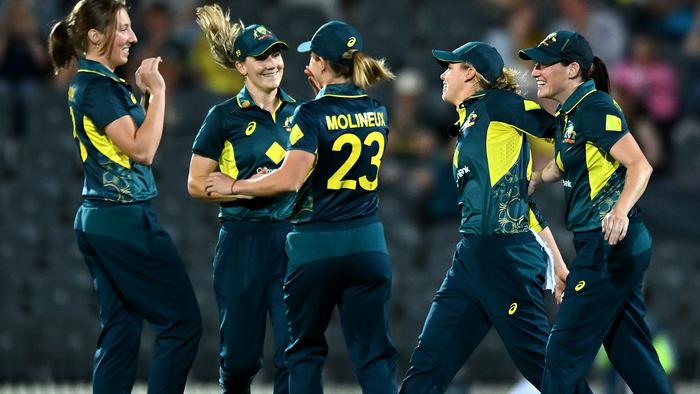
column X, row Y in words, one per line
column 577, row 96
column 344, row 90
column 245, row 100
column 91, row 66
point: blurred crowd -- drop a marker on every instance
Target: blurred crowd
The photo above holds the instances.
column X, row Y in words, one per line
column 651, row 48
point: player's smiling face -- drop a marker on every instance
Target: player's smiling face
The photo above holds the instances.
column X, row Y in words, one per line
column 455, row 83
column 552, row 80
column 264, row 71
column 124, row 38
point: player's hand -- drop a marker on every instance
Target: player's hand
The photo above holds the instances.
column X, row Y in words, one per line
column 148, row 77
column 315, row 86
column 561, row 272
column 615, row 226
column 219, row 183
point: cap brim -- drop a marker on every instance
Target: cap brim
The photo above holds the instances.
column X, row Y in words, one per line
column 445, row 57
column 304, row 47
column 280, row 44
column 538, row 55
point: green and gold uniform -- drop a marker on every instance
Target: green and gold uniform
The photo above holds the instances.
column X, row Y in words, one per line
column 337, row 251
column 136, row 270
column 249, row 262
column 499, row 268
column 603, row 302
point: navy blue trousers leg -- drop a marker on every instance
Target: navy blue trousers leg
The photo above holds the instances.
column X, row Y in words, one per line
column 364, row 316
column 359, row 284
column 249, row 267
column 603, row 305
column 454, row 327
column 142, row 280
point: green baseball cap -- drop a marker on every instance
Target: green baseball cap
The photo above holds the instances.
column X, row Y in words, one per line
column 485, row 58
column 562, row 45
column 255, row 40
column 332, row 40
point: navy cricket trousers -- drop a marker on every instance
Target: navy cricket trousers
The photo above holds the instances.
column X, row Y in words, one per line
column 494, row 280
column 344, row 265
column 603, row 303
column 137, row 275
column 249, row 268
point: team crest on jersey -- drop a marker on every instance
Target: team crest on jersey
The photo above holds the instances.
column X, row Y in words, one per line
column 471, row 119
column 288, row 124
column 261, row 32
column 569, row 133
column 550, row 39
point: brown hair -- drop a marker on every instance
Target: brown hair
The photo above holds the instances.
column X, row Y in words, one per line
column 364, row 71
column 69, row 36
column 598, row 72
column 220, row 33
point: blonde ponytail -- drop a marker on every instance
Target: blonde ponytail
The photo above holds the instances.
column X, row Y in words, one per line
column 368, row 71
column 507, row 81
column 220, row 33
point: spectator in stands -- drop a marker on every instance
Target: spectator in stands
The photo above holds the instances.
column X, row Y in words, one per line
column 646, row 88
column 23, row 67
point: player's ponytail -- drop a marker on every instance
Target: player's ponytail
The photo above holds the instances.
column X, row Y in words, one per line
column 368, row 71
column 507, row 81
column 364, row 71
column 599, row 73
column 61, row 48
column 220, row 33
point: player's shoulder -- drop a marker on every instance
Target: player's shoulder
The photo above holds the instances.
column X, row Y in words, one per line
column 598, row 102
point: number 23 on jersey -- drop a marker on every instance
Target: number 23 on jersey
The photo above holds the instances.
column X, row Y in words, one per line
column 337, row 181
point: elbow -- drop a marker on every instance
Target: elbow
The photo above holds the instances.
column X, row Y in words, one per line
column 645, row 169
column 144, row 158
column 192, row 188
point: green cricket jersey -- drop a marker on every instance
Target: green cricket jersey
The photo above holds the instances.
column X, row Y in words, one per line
column 492, row 161
column 347, row 131
column 243, row 137
column 96, row 98
column 589, row 123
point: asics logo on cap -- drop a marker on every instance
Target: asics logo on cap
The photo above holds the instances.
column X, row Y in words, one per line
column 351, row 41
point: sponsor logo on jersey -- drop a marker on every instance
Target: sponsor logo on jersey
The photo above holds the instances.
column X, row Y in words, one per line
column 513, row 307
column 462, row 172
column 580, row 285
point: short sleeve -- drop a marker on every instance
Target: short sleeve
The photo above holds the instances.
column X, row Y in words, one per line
column 304, row 134
column 537, row 220
column 209, row 141
column 603, row 124
column 104, row 101
column 526, row 115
